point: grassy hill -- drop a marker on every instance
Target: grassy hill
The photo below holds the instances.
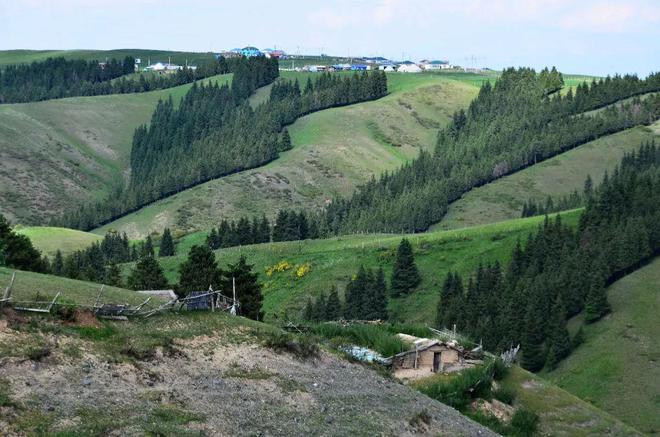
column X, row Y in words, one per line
column 28, row 285
column 8, row 57
column 334, row 151
column 616, row 368
column 503, row 199
column 333, row 261
column 49, row 239
column 57, row 153
column 560, row 412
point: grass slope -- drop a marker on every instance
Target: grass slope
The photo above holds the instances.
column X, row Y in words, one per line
column 29, row 285
column 560, row 412
column 333, row 261
column 58, row 153
column 334, row 151
column 616, row 368
column 8, row 57
column 48, row 239
column 558, row 176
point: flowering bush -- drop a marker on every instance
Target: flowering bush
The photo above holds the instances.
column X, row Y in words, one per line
column 278, row 268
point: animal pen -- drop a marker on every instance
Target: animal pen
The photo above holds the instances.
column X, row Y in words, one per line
column 210, row 300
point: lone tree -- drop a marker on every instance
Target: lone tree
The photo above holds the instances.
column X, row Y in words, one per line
column 248, row 288
column 147, row 275
column 405, row 276
column 199, row 271
column 166, row 244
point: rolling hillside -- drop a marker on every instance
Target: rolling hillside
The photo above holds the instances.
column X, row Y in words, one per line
column 333, row 261
column 503, row 199
column 8, row 57
column 560, row 412
column 334, row 151
column 28, row 285
column 57, row 153
column 616, row 368
column 49, row 239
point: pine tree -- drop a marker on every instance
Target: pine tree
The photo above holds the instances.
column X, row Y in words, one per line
column 113, row 275
column 248, row 288
column 405, row 276
column 58, row 263
column 559, row 340
column 333, row 305
column 147, row 248
column 199, row 271
column 533, row 352
column 147, row 275
column 596, row 304
column 285, row 141
column 378, row 306
column 166, row 244
column 308, row 311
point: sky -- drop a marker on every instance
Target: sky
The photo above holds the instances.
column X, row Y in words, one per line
column 597, row 37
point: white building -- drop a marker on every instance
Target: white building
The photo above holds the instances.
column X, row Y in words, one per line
column 409, row 68
column 436, row 65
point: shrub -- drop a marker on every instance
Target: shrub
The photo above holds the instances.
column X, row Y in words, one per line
column 505, row 394
column 374, row 337
column 460, row 390
column 303, row 346
column 500, row 370
column 524, row 423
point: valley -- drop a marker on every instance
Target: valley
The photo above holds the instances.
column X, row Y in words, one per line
column 393, row 238
column 80, row 145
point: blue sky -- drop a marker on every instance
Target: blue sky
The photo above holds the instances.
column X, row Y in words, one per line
column 587, row 36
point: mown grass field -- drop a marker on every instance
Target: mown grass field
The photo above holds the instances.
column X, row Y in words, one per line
column 29, row 286
column 503, row 199
column 334, row 261
column 8, row 57
column 58, row 153
column 616, row 368
column 49, row 239
column 334, row 151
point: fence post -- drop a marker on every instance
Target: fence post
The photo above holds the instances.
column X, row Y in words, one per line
column 7, row 295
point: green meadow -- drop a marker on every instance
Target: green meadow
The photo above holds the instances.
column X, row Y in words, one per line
column 334, row 151
column 616, row 368
column 59, row 153
column 559, row 176
column 332, row 262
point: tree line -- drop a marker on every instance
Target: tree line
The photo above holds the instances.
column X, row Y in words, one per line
column 200, row 271
column 366, row 293
column 574, row 200
column 56, row 78
column 98, row 262
column 215, row 132
column 561, row 272
column 289, row 225
column 512, row 124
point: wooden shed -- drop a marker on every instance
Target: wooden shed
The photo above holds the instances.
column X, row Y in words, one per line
column 428, row 357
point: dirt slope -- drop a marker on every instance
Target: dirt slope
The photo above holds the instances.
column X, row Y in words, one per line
column 208, row 385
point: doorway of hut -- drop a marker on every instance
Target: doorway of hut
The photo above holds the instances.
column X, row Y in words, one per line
column 436, row 361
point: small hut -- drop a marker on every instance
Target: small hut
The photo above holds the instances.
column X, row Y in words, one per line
column 431, row 356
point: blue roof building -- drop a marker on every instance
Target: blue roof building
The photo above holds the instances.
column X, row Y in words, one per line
column 249, row 52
